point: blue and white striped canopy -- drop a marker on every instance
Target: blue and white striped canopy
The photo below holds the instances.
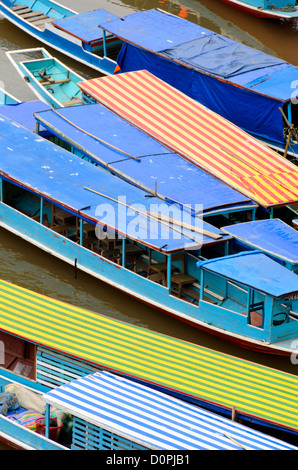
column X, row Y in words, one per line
column 154, row 419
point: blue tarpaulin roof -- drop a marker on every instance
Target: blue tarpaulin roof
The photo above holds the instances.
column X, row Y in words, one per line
column 255, row 270
column 273, row 236
column 23, row 112
column 153, row 419
column 176, row 178
column 85, row 26
column 62, row 177
column 199, row 48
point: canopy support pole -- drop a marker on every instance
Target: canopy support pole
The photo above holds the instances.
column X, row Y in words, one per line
column 123, row 252
column 48, row 413
column 169, row 272
column 41, row 210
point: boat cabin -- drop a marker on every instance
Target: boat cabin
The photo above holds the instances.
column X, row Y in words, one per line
column 257, row 295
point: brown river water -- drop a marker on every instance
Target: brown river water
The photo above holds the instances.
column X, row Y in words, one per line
column 29, row 267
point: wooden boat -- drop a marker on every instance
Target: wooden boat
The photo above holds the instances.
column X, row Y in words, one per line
column 73, row 34
column 6, row 98
column 71, row 347
column 156, row 259
column 248, row 89
column 48, row 77
column 285, row 9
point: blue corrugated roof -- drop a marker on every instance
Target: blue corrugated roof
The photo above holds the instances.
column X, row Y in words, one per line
column 152, row 418
column 176, row 178
column 273, row 236
column 256, row 270
column 63, row 177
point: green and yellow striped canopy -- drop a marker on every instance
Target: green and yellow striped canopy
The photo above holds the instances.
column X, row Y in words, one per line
column 226, row 381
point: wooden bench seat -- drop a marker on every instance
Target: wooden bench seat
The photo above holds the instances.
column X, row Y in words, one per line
column 70, row 102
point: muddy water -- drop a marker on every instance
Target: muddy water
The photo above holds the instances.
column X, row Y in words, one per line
column 29, row 267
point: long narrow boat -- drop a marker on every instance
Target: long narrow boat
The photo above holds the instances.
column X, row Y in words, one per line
column 48, row 77
column 244, row 85
column 70, row 347
column 82, row 40
column 141, row 245
column 284, row 9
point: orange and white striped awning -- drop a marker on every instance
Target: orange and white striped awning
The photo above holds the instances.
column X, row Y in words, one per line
column 199, row 135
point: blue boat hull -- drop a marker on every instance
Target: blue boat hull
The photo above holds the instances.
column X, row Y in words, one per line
column 70, row 47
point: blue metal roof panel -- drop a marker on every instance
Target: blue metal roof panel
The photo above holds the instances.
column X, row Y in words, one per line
column 256, row 270
column 152, row 418
column 85, row 26
column 273, row 236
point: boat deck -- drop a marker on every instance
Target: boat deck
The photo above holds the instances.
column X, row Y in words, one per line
column 178, row 367
column 36, row 18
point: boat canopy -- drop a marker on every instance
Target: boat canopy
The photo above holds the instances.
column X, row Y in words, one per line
column 199, row 135
column 85, row 26
column 197, row 373
column 188, row 43
column 85, row 127
column 256, row 270
column 22, row 113
column 153, row 419
column 272, row 236
column 95, row 194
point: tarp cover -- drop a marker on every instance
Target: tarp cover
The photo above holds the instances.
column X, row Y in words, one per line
column 255, row 270
column 207, row 66
column 176, row 178
column 85, row 26
column 62, row 177
column 152, row 418
column 273, row 236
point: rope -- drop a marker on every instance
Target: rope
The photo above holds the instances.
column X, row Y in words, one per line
column 235, row 442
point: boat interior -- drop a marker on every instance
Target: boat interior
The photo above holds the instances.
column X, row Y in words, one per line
column 56, row 79
column 36, row 12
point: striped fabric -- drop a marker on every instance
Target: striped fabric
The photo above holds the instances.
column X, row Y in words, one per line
column 152, row 418
column 226, row 381
column 199, row 135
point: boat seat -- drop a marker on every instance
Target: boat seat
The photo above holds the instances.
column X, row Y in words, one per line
column 38, row 19
column 23, row 10
column 18, row 7
column 51, row 81
column 70, row 102
column 30, row 14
